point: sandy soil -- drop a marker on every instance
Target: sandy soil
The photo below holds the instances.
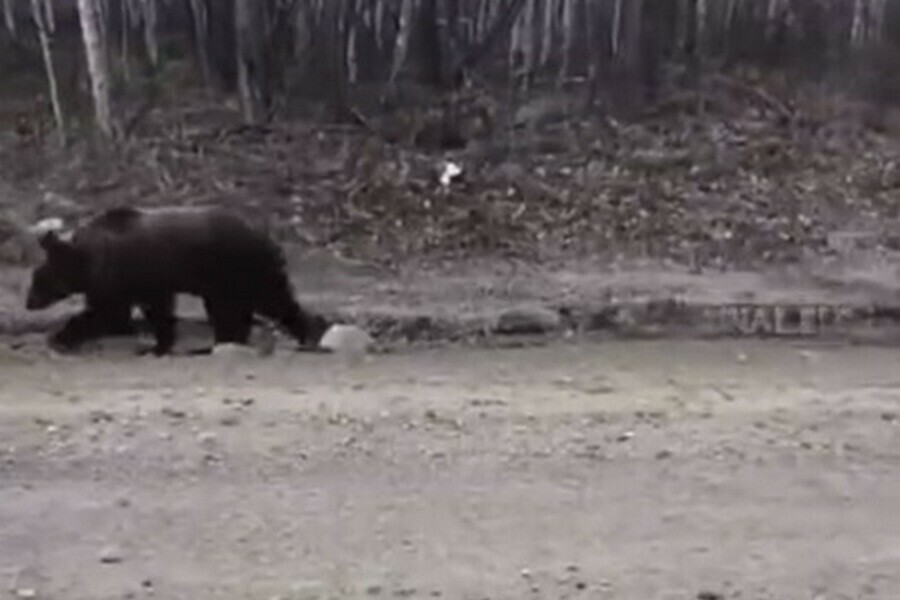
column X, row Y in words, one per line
column 644, row 470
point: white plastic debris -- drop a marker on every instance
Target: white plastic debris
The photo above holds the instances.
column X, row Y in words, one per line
column 449, row 171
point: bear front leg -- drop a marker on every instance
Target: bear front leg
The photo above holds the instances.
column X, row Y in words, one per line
column 83, row 327
column 118, row 321
column 160, row 314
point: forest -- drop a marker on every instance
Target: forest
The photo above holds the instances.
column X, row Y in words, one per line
column 712, row 133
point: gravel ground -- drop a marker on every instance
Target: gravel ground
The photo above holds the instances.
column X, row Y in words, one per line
column 641, row 470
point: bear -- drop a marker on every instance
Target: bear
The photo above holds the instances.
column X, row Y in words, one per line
column 127, row 257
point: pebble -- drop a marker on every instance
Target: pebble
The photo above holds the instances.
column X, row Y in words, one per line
column 625, row 436
column 111, row 555
column 206, row 438
column 173, row 413
column 26, row 593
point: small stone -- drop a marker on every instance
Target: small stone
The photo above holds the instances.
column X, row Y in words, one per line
column 173, row 413
column 374, row 590
column 111, row 555
column 663, row 454
column 526, row 573
column 26, row 593
column 742, row 357
column 206, row 438
column 229, row 421
column 625, row 436
column 580, row 585
column 101, row 416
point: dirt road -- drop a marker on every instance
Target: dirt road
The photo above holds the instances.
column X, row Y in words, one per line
column 644, row 470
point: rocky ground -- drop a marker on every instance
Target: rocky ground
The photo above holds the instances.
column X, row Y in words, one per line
column 624, row 470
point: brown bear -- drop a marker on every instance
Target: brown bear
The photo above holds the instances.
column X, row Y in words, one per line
column 126, row 257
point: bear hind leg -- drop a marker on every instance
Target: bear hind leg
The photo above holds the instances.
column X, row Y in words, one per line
column 231, row 320
column 280, row 306
column 160, row 314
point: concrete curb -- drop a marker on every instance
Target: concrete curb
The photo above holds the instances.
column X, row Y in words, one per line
column 667, row 318
column 862, row 323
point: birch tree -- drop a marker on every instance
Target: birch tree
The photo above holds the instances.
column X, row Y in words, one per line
column 249, row 60
column 150, row 17
column 89, row 15
column 9, row 17
column 41, row 20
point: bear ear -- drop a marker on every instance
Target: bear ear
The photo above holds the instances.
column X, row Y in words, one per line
column 56, row 245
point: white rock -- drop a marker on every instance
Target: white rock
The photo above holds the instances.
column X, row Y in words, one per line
column 346, row 340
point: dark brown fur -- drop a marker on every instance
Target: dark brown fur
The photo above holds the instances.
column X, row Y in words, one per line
column 126, row 257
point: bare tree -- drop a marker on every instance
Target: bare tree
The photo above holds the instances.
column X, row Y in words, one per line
column 89, row 14
column 150, row 17
column 40, row 22
column 9, row 17
column 200, row 19
column 401, row 45
column 249, row 60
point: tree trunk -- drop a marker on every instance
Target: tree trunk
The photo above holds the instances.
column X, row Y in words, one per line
column 222, row 40
column 150, row 18
column 9, row 17
column 249, row 61
column 336, row 22
column 50, row 16
column 690, row 49
column 502, row 24
column 568, row 27
column 40, row 23
column 401, row 46
column 98, row 67
column 200, row 20
column 629, row 57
